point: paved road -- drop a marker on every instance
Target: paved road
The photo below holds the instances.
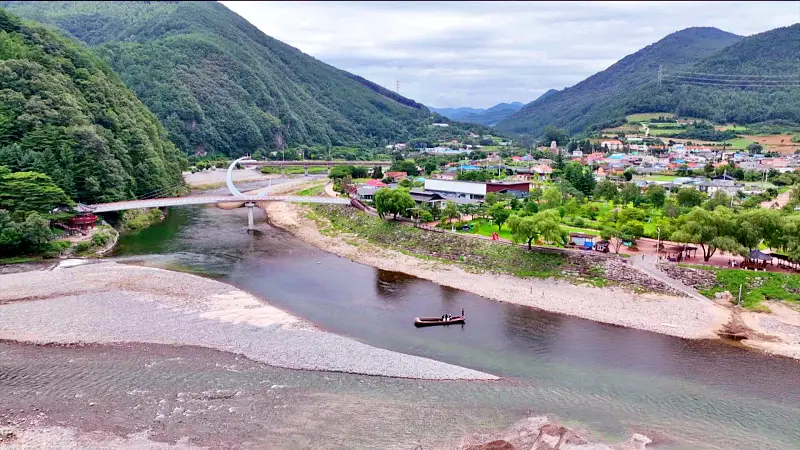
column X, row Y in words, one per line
column 647, row 265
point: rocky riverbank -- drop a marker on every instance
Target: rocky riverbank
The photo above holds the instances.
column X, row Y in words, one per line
column 110, row 302
column 667, row 314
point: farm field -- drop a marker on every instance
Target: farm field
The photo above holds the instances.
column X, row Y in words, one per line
column 781, row 143
column 644, row 117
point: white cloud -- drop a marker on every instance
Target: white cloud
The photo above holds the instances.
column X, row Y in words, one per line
column 450, row 54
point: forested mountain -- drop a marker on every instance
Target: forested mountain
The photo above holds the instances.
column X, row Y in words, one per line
column 64, row 113
column 487, row 117
column 220, row 85
column 693, row 60
column 590, row 101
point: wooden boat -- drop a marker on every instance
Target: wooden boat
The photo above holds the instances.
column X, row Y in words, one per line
column 430, row 321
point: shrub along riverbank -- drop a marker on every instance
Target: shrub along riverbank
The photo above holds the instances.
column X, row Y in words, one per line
column 756, row 286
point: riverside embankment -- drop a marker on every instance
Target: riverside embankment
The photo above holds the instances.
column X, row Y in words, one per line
column 658, row 312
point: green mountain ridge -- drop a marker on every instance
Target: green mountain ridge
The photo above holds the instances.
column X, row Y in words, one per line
column 65, row 113
column 220, row 85
column 630, row 85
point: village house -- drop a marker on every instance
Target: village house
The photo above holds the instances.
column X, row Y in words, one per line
column 612, row 144
column 396, row 176
column 543, row 172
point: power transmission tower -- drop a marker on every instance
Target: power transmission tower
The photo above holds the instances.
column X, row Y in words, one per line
column 660, row 75
column 397, row 86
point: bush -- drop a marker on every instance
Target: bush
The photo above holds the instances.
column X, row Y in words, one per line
column 54, row 248
column 579, row 222
column 82, row 247
column 101, row 238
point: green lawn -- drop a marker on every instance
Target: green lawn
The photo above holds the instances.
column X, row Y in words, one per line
column 644, row 117
column 668, row 178
column 736, row 128
column 312, row 191
column 739, row 143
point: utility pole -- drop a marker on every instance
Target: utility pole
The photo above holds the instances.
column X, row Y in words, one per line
column 660, row 75
column 397, row 86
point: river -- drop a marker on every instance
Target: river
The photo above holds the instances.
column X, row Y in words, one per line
column 605, row 379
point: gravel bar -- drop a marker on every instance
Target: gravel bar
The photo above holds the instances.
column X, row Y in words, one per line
column 109, row 302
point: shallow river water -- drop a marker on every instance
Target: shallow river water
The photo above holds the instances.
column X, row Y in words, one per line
column 604, row 379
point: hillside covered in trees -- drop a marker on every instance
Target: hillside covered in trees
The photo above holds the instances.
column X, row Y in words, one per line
column 65, row 114
column 220, row 85
column 693, row 60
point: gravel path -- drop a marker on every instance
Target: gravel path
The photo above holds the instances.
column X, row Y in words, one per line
column 109, row 302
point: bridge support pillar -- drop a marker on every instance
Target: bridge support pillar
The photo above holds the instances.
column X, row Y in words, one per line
column 250, row 221
column 306, row 167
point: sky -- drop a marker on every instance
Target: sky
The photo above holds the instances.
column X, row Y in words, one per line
column 478, row 54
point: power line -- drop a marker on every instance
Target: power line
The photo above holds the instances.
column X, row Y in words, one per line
column 732, row 75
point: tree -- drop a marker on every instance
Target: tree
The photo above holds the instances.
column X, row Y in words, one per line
column 546, row 224
column 551, row 198
column 757, row 225
column 755, row 148
column 393, row 201
column 23, row 192
column 656, row 195
column 711, row 230
column 430, row 166
column 377, row 172
column 358, row 172
column 689, row 197
column 606, row 189
column 629, row 193
column 628, row 174
column 552, row 133
column 407, row 166
column 499, row 213
column 718, row 198
column 339, row 172
column 450, row 211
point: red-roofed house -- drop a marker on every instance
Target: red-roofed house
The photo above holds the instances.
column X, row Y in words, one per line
column 397, row 176
column 376, row 183
column 543, row 171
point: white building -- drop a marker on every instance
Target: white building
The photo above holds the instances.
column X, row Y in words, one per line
column 443, row 125
column 462, row 188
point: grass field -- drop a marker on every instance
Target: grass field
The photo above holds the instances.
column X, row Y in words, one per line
column 735, row 128
column 665, row 125
column 739, row 143
column 665, row 132
column 19, row 259
column 644, row 117
column 312, row 191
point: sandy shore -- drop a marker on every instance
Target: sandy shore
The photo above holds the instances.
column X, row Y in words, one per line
column 676, row 316
column 215, row 176
column 110, row 302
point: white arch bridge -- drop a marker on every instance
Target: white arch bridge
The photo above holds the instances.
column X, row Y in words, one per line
column 209, row 200
column 236, row 200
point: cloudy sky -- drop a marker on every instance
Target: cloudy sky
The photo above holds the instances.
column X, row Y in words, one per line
column 478, row 54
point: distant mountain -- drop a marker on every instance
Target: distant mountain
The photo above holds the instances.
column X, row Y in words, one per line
column 456, row 113
column 219, row 84
column 489, row 116
column 65, row 113
column 611, row 94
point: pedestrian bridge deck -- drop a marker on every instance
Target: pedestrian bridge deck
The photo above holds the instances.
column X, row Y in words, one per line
column 211, row 199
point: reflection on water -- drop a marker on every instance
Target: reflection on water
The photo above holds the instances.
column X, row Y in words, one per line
column 610, row 379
